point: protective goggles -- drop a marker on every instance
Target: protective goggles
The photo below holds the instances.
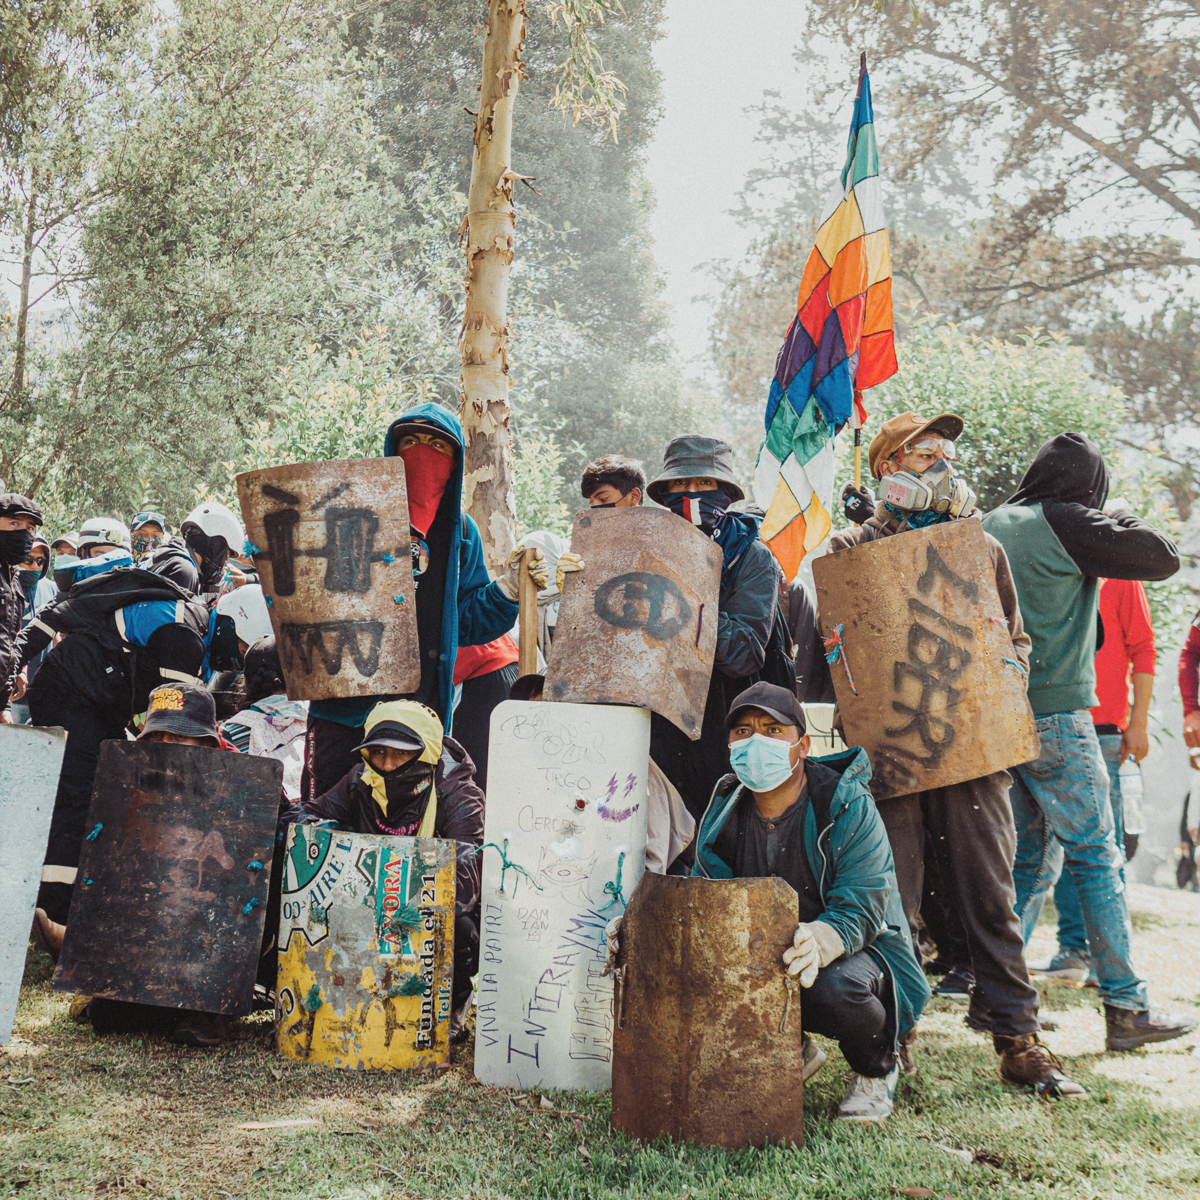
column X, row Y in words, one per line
column 930, row 445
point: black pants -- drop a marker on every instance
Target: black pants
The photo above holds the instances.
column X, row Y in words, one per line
column 940, row 914
column 328, row 755
column 693, row 767
column 473, row 716
column 850, row 1003
column 86, row 728
column 466, row 957
column 969, row 829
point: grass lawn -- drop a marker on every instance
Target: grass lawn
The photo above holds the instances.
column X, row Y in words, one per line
column 83, row 1116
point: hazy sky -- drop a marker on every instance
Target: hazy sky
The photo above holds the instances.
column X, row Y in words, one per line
column 715, row 60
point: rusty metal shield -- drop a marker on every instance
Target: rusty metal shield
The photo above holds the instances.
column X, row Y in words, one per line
column 171, row 892
column 639, row 624
column 334, row 551
column 707, row 1046
column 30, row 760
column 366, row 950
column 938, row 695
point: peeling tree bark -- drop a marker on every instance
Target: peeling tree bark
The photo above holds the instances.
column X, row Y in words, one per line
column 489, row 226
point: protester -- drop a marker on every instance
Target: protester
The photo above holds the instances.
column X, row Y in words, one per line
column 814, row 683
column 457, row 604
column 1189, row 685
column 814, row 825
column 129, row 631
column 669, row 826
column 148, row 531
column 968, row 826
column 413, row 780
column 182, row 713
column 67, row 543
column 38, row 592
column 697, row 484
column 102, row 535
column 484, row 673
column 613, row 481
column 210, row 533
column 1125, row 659
column 1060, row 546
column 19, row 519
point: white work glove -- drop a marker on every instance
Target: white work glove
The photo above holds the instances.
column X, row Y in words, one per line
column 612, row 934
column 568, row 563
column 814, row 946
column 1114, row 508
column 510, row 581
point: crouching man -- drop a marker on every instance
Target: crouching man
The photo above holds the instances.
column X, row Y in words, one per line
column 814, row 825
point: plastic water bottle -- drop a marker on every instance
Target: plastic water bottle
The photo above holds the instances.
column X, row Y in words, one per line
column 1130, row 776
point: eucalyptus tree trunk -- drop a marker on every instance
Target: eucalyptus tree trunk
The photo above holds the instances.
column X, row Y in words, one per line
column 490, row 223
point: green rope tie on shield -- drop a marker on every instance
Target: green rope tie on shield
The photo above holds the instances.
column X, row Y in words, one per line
column 505, row 864
column 410, row 985
column 389, row 559
column 250, row 549
column 91, row 837
column 254, row 865
column 408, row 917
column 835, row 651
column 312, row 999
column 397, row 599
column 253, row 903
column 1012, row 662
column 614, row 889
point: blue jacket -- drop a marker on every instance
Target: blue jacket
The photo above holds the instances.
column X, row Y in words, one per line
column 851, row 860
column 476, row 610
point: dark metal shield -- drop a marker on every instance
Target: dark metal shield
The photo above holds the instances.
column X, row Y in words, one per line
column 171, row 893
column 30, row 760
column 939, row 696
column 639, row 624
column 334, row 551
column 707, row 1046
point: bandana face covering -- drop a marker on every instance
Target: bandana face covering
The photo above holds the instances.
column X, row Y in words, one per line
column 15, row 546
column 427, row 725
column 703, row 509
column 427, row 471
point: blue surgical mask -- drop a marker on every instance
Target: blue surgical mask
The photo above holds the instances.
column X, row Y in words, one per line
column 762, row 763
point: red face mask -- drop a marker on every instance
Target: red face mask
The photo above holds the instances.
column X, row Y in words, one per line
column 427, row 472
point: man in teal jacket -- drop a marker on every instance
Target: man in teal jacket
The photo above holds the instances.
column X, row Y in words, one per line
column 457, row 602
column 1060, row 545
column 813, row 823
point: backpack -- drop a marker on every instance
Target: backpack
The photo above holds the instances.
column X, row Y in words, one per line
column 90, row 601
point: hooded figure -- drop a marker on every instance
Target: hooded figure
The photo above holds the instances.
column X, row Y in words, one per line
column 38, row 590
column 19, row 517
column 431, row 793
column 1059, row 546
column 457, row 602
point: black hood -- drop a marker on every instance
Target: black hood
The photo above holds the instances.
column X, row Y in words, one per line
column 1069, row 468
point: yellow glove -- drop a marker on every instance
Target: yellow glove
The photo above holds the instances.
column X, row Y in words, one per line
column 567, row 564
column 510, row 581
column 814, row 946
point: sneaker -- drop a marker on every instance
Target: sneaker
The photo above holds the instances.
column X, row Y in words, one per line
column 1067, row 966
column 957, row 985
column 869, row 1099
column 48, row 934
column 1128, row 1029
column 1092, row 980
column 979, row 1018
column 1025, row 1062
column 813, row 1061
column 458, row 1021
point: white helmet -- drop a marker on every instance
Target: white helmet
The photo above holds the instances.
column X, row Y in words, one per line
column 104, row 530
column 215, row 520
column 247, row 608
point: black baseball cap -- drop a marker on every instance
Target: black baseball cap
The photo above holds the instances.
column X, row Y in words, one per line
column 13, row 504
column 527, row 686
column 774, row 700
column 394, row 735
column 183, row 708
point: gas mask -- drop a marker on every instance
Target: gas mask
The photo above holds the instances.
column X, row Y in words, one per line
column 938, row 490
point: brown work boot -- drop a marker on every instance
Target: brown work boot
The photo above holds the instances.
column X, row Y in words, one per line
column 1025, row 1062
column 905, row 1054
column 48, row 934
column 201, row 1029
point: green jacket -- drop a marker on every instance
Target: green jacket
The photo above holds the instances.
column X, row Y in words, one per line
column 851, row 860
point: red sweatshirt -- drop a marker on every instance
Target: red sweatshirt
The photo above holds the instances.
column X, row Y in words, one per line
column 1189, row 667
column 1128, row 648
column 473, row 661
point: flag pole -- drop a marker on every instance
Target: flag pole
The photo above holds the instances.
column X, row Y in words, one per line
column 856, row 425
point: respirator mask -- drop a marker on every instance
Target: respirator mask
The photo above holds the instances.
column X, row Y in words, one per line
column 937, row 490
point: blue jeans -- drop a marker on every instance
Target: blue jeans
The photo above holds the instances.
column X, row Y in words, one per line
column 1063, row 795
column 1071, row 933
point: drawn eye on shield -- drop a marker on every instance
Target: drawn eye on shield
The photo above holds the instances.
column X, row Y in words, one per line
column 642, row 600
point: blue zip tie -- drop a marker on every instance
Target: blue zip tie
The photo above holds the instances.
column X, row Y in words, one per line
column 389, row 559
column 86, row 881
column 397, row 599
column 249, row 549
column 254, row 903
column 91, row 837
column 267, row 599
column 1012, row 662
column 254, row 865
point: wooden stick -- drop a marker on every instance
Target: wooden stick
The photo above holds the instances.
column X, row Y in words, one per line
column 527, row 618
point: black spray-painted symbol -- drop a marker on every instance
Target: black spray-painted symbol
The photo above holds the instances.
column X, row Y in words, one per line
column 308, row 641
column 349, row 549
column 640, row 600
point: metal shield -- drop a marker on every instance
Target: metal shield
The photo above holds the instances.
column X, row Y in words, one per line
column 366, row 949
column 565, row 844
column 938, row 695
column 30, row 760
column 171, row 892
column 334, row 551
column 708, row 1046
column 639, row 624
